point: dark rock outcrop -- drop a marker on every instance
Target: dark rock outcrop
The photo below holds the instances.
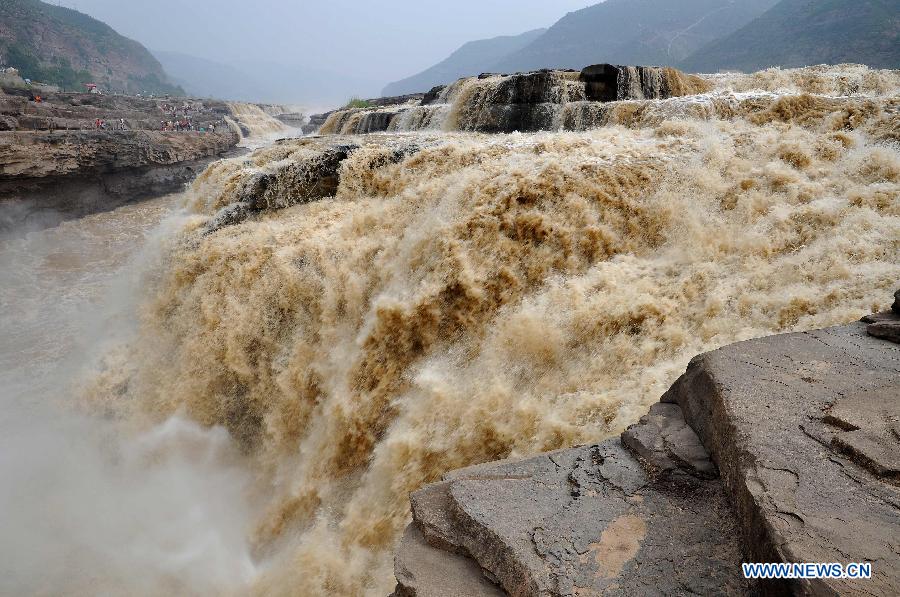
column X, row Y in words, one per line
column 311, row 174
column 526, row 102
column 608, row 83
column 433, row 94
column 297, row 182
column 803, row 429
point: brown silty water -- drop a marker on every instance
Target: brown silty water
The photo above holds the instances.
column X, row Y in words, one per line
column 489, row 296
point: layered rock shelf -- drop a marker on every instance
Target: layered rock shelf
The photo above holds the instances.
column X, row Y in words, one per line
column 526, row 102
column 53, row 159
column 780, row 449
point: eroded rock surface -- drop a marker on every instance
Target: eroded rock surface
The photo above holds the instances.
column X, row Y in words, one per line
column 803, row 428
column 503, row 103
column 589, row 520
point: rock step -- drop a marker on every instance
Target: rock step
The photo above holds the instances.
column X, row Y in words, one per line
column 589, row 520
column 425, row 571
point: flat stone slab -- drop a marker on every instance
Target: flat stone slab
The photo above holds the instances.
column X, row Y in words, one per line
column 804, row 430
column 590, row 520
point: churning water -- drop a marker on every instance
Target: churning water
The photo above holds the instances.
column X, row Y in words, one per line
column 275, row 388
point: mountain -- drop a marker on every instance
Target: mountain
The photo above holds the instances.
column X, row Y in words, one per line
column 648, row 32
column 64, row 47
column 802, row 32
column 264, row 81
column 471, row 59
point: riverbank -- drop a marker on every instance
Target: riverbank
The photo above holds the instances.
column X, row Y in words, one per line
column 71, row 154
column 66, row 174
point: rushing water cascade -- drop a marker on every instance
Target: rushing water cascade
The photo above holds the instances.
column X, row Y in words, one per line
column 254, row 124
column 335, row 321
column 572, row 101
column 458, row 298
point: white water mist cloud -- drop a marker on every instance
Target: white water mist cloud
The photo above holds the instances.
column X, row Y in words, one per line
column 89, row 506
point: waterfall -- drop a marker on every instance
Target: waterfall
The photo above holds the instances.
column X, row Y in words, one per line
column 390, row 307
column 569, row 100
column 233, row 391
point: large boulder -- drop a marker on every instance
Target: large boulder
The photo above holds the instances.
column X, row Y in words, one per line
column 804, row 430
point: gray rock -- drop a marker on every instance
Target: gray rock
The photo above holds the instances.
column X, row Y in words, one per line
column 886, row 330
column 425, row 571
column 664, row 442
column 589, row 520
column 432, row 95
column 803, row 428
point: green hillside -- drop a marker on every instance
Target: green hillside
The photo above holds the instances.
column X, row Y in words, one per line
column 804, row 32
column 64, row 47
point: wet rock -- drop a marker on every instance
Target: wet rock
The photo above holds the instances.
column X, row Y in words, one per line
column 607, row 83
column 432, row 95
column 896, row 306
column 315, row 122
column 297, row 182
column 803, row 428
column 374, row 122
column 589, row 520
column 526, row 102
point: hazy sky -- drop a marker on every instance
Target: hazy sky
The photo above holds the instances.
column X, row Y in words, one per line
column 384, row 40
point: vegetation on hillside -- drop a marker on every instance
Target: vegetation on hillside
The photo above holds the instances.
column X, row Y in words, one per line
column 64, row 47
column 355, row 102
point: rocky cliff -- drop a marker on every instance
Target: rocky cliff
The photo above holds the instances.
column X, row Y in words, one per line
column 80, row 172
column 781, row 449
column 54, row 159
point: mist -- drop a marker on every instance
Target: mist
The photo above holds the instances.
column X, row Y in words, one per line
column 316, row 52
column 91, row 505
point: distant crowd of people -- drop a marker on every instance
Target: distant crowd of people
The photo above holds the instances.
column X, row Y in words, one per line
column 185, row 124
column 101, row 124
column 180, row 116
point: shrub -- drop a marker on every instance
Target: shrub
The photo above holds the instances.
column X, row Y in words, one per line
column 355, row 102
